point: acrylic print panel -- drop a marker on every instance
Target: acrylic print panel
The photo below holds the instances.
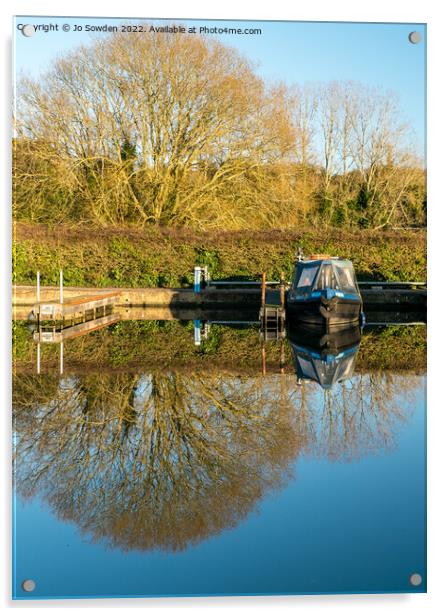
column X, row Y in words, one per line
column 219, row 308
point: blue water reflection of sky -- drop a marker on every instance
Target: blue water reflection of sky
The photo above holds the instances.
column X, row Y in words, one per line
column 337, row 526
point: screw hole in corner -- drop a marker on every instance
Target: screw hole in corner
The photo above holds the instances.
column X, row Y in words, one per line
column 28, row 585
column 414, row 37
column 415, row 579
column 28, row 30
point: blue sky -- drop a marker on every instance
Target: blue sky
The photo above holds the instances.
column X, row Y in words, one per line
column 375, row 54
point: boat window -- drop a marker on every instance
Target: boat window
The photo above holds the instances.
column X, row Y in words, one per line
column 306, row 368
column 346, row 367
column 345, row 277
column 307, row 276
column 336, row 276
column 326, row 371
column 326, row 278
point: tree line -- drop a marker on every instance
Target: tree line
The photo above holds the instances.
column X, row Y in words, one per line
column 180, row 130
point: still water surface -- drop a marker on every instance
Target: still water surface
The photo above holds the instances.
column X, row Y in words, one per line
column 153, row 466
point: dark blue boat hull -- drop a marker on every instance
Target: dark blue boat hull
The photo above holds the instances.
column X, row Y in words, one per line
column 325, row 312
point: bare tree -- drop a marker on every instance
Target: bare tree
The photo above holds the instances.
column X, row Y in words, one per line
column 179, row 130
column 153, row 125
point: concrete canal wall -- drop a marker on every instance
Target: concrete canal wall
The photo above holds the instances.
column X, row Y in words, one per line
column 24, row 298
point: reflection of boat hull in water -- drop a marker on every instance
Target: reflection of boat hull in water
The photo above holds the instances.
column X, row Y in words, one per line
column 324, row 357
column 325, row 293
column 324, row 310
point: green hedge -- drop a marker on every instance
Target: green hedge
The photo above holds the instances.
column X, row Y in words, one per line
column 165, row 258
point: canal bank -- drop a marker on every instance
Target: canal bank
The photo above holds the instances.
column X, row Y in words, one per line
column 165, row 258
column 374, row 298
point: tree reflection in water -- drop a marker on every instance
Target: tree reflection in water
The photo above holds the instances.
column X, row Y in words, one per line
column 162, row 461
column 151, row 461
column 358, row 416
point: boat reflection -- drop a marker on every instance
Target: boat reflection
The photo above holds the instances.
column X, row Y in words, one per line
column 325, row 358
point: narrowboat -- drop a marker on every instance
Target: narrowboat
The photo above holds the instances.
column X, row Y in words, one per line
column 324, row 292
column 325, row 358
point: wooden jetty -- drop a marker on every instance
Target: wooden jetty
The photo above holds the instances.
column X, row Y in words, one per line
column 53, row 335
column 87, row 307
column 82, row 305
column 77, row 315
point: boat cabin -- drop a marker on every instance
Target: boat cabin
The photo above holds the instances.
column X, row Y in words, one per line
column 322, row 274
column 324, row 292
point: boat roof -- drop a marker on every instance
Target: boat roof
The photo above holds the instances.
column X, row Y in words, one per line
column 323, row 258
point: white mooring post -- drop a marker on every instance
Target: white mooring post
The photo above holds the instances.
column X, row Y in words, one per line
column 197, row 332
column 38, row 358
column 61, row 286
column 38, row 287
column 197, row 285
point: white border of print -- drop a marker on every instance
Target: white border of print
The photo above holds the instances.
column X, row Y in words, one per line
column 427, row 11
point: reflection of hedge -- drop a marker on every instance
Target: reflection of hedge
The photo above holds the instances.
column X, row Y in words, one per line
column 166, row 257
column 393, row 348
column 170, row 344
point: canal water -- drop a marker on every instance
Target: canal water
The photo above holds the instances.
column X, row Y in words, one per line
column 189, row 458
